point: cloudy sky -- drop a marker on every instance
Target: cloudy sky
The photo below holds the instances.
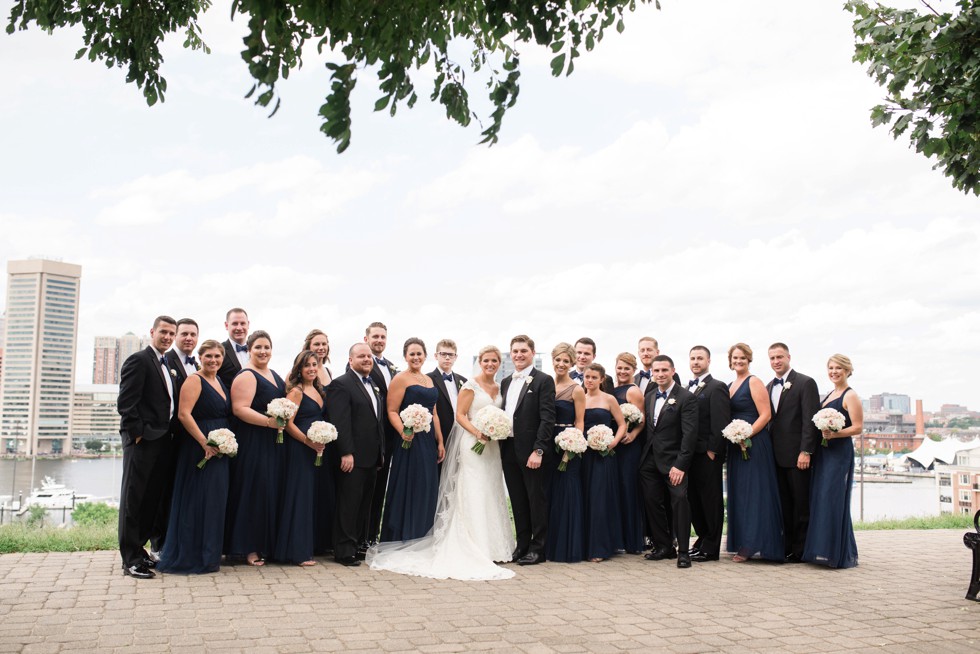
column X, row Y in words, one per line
column 708, row 176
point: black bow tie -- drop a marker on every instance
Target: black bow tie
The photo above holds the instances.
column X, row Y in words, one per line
column 191, row 361
column 447, row 376
column 661, row 394
column 577, row 375
column 777, row 380
column 381, row 362
column 163, row 360
column 240, row 348
column 644, row 374
column 693, row 382
column 366, row 380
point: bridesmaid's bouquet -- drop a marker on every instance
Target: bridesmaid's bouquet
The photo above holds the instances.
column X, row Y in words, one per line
column 631, row 414
column 572, row 443
column 224, row 440
column 415, row 418
column 493, row 423
column 829, row 420
column 322, row 433
column 600, row 438
column 282, row 410
column 740, row 433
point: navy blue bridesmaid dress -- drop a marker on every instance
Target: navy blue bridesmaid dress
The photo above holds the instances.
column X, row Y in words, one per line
column 628, row 459
column 566, row 518
column 325, row 500
column 253, row 494
column 413, row 483
column 295, row 539
column 755, row 519
column 830, row 538
column 600, row 477
column 196, row 529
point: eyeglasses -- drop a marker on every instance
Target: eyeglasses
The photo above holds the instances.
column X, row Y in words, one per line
column 447, row 355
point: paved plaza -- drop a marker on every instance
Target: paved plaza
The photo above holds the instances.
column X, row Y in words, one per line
column 907, row 595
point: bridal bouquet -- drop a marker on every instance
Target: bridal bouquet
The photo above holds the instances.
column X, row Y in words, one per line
column 322, row 433
column 632, row 415
column 829, row 420
column 415, row 418
column 570, row 441
column 600, row 438
column 282, row 410
column 224, row 440
column 740, row 433
column 493, row 423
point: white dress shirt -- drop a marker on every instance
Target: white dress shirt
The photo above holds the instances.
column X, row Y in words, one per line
column 242, row 356
column 369, row 389
column 517, row 384
column 644, row 382
column 385, row 372
column 188, row 368
column 165, row 369
column 777, row 390
column 659, row 403
column 451, row 389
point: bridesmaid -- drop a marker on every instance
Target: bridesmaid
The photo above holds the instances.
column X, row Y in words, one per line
column 755, row 522
column 253, row 494
column 413, row 484
column 830, row 538
column 566, row 522
column 294, row 543
column 325, row 492
column 600, row 474
column 318, row 343
column 628, row 456
column 197, row 512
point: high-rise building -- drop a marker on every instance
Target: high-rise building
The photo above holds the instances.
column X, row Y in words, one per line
column 891, row 403
column 38, row 377
column 95, row 416
column 105, row 364
column 129, row 344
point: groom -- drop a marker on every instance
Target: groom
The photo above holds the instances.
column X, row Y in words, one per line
column 529, row 399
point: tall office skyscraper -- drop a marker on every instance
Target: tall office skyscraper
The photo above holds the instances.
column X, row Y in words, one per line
column 38, row 379
column 105, row 365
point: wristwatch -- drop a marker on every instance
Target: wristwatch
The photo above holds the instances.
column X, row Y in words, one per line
column 539, row 452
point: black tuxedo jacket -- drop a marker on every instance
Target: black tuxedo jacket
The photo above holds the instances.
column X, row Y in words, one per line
column 672, row 440
column 144, row 402
column 176, row 360
column 791, row 427
column 359, row 430
column 230, row 366
column 534, row 416
column 444, row 405
column 714, row 414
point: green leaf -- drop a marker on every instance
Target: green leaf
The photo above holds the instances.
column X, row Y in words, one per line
column 558, row 64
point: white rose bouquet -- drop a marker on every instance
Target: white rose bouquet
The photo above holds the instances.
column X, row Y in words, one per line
column 572, row 443
column 282, row 410
column 631, row 414
column 600, row 438
column 415, row 418
column 493, row 423
column 829, row 420
column 321, row 433
column 224, row 440
column 740, row 433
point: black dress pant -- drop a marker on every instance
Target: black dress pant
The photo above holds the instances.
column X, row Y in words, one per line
column 705, row 496
column 372, row 532
column 658, row 494
column 528, row 491
column 144, row 481
column 794, row 494
column 355, row 490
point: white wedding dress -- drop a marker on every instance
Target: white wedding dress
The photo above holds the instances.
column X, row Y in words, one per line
column 472, row 526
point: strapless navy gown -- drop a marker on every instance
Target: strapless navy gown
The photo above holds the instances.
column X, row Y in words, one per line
column 830, row 538
column 195, row 531
column 566, row 517
column 295, row 540
column 628, row 460
column 253, row 494
column 600, row 477
column 755, row 519
column 413, row 484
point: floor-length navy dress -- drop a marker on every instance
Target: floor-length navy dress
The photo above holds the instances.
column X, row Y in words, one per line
column 196, row 528
column 755, row 519
column 628, row 460
column 566, row 518
column 253, row 494
column 830, row 537
column 600, row 478
column 295, row 538
column 413, row 484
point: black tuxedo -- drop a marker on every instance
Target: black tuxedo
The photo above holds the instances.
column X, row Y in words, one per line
column 534, row 426
column 444, row 405
column 792, row 431
column 670, row 443
column 392, row 440
column 360, row 432
column 230, row 365
column 705, row 493
column 144, row 409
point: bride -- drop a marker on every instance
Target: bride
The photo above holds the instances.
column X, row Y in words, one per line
column 472, row 527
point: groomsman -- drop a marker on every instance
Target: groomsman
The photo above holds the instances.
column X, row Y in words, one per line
column 182, row 356
column 236, row 354
column 448, row 383
column 584, row 356
column 355, row 408
column 794, row 400
column 671, row 432
column 147, row 405
column 705, row 487
column 646, row 350
column 529, row 399
column 382, row 372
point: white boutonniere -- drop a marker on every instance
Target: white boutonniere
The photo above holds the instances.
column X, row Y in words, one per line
column 787, row 386
column 173, row 373
column 671, row 401
column 527, row 380
column 377, row 391
column 699, row 386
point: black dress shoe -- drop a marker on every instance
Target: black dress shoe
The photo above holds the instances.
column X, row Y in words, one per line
column 517, row 555
column 683, row 560
column 350, row 561
column 361, row 555
column 149, row 563
column 701, row 557
column 531, row 558
column 661, row 553
column 792, row 558
column 139, row 571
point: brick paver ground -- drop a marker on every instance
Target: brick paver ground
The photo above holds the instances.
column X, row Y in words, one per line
column 907, row 595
